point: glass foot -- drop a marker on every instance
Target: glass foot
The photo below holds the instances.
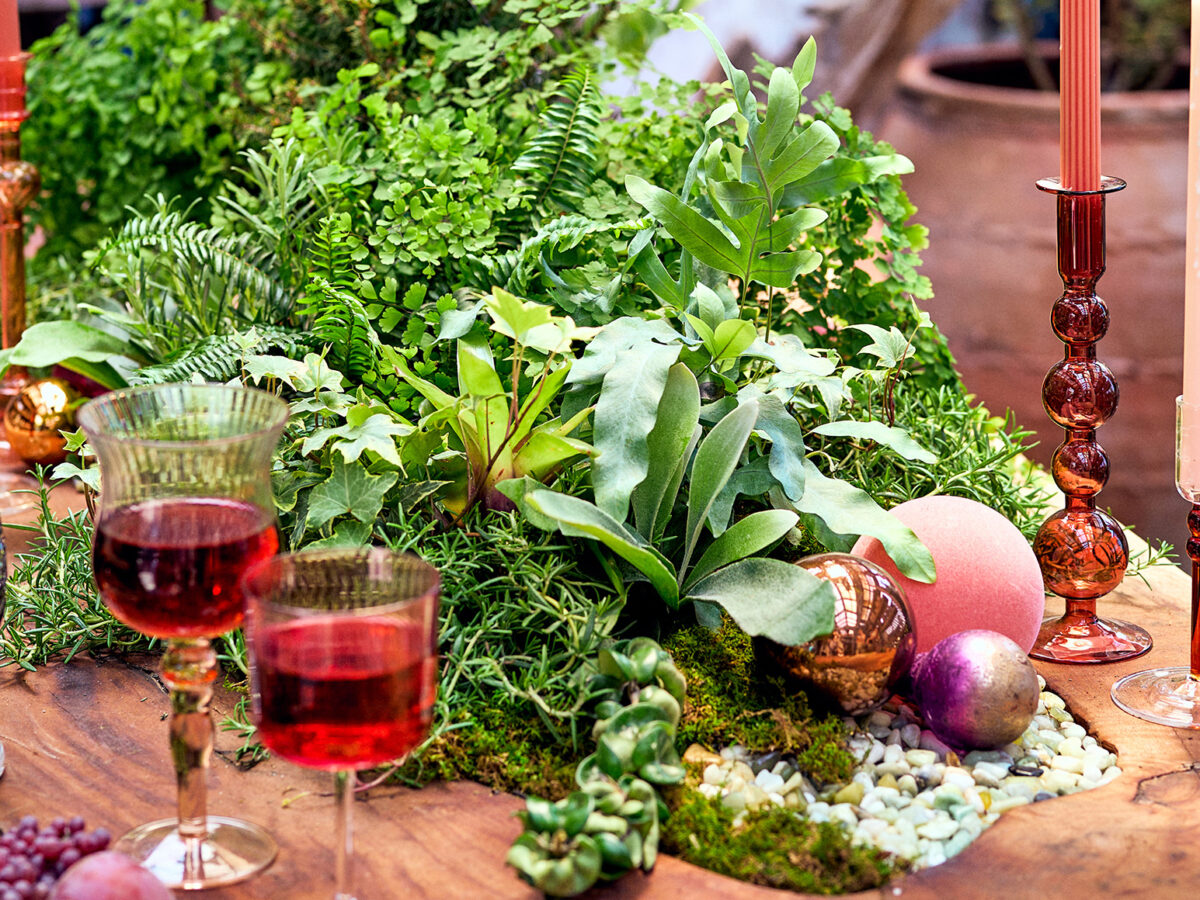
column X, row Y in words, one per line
column 1071, row 639
column 1168, row 696
column 233, row 851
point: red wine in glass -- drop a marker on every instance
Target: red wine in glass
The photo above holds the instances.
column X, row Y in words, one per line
column 170, row 567
column 340, row 692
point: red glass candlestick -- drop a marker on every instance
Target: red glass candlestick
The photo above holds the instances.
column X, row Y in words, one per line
column 1081, row 549
column 1171, row 695
column 19, row 183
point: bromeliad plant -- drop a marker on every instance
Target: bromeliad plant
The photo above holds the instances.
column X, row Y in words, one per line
column 496, row 435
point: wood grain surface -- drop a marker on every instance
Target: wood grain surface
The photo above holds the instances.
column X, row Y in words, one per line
column 89, row 738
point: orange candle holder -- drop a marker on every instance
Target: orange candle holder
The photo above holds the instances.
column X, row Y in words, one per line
column 19, row 184
column 1081, row 549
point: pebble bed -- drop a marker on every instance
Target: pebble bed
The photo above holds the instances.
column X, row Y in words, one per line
column 911, row 795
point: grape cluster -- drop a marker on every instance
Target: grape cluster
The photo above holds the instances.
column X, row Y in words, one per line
column 32, row 858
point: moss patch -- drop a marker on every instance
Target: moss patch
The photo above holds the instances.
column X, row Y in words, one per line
column 731, row 701
column 772, row 847
column 503, row 748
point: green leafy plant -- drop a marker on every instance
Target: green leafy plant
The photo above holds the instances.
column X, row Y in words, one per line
column 496, row 426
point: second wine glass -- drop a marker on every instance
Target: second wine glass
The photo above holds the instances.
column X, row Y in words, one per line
column 343, row 653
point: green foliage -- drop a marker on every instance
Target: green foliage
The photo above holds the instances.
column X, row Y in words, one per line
column 611, row 824
column 140, row 107
column 774, row 847
column 560, row 159
column 731, row 701
column 53, row 610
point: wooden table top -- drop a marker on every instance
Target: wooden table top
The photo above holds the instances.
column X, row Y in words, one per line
column 89, row 738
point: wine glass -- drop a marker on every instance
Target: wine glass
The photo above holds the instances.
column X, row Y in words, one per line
column 343, row 664
column 185, row 506
column 1171, row 695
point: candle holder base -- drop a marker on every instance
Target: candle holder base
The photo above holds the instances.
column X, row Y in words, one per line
column 1169, row 696
column 1074, row 638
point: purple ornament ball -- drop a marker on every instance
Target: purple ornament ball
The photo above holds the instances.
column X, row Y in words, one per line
column 987, row 574
column 976, row 689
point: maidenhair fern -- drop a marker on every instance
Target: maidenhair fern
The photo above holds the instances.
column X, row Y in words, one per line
column 560, row 161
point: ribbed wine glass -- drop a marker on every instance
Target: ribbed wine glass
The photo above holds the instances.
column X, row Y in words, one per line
column 185, row 507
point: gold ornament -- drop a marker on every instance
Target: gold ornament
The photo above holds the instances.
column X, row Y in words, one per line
column 35, row 416
column 872, row 644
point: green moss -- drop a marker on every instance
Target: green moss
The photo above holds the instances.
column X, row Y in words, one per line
column 504, row 747
column 772, row 847
column 731, row 701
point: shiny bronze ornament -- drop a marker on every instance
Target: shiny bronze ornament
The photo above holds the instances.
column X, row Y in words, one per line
column 35, row 416
column 872, row 644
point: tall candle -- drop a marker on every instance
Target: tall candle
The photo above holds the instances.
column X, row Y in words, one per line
column 10, row 28
column 1189, row 451
column 1079, row 94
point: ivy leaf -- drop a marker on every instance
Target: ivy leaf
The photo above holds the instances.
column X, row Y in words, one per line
column 890, row 345
column 350, row 489
column 377, row 433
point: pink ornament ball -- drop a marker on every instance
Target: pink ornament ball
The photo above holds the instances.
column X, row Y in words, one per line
column 987, row 575
column 976, row 690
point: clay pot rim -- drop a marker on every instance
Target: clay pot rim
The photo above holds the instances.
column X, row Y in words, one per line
column 919, row 78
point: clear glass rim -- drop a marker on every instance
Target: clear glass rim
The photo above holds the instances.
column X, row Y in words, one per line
column 87, row 416
column 373, row 556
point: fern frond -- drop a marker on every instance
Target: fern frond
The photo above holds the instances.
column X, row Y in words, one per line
column 217, row 275
column 513, row 269
column 340, row 322
column 218, row 357
column 560, row 160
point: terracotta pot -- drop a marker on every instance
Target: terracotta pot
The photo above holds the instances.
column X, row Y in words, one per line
column 978, row 148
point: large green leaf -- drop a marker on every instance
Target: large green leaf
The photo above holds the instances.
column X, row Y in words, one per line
column 47, row 343
column 786, row 459
column 624, row 417
column 716, row 458
column 847, row 510
column 476, row 369
column 745, row 537
column 578, row 518
column 609, row 346
column 694, row 232
column 896, row 438
column 675, row 421
column 771, row 598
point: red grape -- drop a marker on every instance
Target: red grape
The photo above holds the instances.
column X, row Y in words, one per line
column 32, row 858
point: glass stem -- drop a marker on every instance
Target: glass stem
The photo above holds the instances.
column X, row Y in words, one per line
column 343, row 786
column 189, row 668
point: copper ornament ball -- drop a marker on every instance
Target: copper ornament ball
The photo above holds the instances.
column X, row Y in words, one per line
column 872, row 643
column 35, row 416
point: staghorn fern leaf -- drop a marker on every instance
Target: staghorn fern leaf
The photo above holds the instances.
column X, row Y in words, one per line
column 560, row 160
column 218, row 357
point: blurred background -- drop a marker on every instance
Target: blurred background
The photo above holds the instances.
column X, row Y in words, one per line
column 966, row 89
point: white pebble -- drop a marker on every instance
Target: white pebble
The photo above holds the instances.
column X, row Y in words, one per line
column 910, row 735
column 1068, row 764
column 919, row 758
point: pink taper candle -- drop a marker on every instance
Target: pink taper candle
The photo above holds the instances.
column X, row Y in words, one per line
column 1189, row 438
column 10, row 29
column 1079, row 94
